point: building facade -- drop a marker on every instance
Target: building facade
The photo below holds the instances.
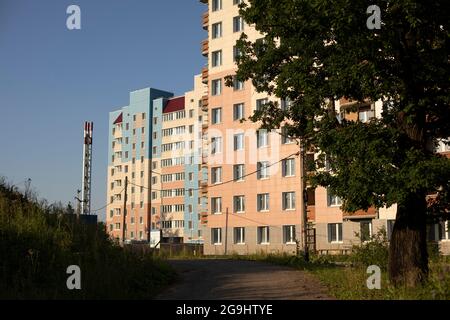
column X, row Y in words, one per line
column 154, row 143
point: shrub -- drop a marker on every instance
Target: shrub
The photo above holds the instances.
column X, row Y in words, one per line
column 372, row 252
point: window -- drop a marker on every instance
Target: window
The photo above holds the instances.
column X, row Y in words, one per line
column 239, row 235
column 285, row 138
column 191, row 113
column 238, row 172
column 238, row 204
column 263, row 235
column 216, row 236
column 333, row 200
column 216, row 115
column 365, row 227
column 289, row 234
column 365, row 114
column 134, row 117
column 288, row 167
column 216, row 87
column 238, row 24
column 263, row 169
column 143, row 116
column 285, row 104
column 262, row 202
column 216, row 5
column 288, row 200
column 260, row 103
column 237, row 84
column 238, row 141
column 191, row 176
column 238, row 111
column 237, row 2
column 216, row 175
column 216, row 145
column 155, row 151
column 390, row 228
column 217, row 30
column 262, row 138
column 216, row 205
column 216, row 58
column 334, row 232
column 191, row 129
column 236, row 53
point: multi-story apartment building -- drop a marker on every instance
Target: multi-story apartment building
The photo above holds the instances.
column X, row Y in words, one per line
column 254, row 187
column 261, row 211
column 154, row 143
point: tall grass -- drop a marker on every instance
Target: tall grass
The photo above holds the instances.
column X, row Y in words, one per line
column 38, row 243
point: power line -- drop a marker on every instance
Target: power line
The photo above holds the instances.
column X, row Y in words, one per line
column 109, row 202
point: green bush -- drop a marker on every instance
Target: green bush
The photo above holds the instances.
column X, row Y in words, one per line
column 372, row 252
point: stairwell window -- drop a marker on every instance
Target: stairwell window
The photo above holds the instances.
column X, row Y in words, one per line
column 216, row 236
column 216, row 145
column 263, row 235
column 335, row 232
column 289, row 234
column 239, row 235
column 288, row 200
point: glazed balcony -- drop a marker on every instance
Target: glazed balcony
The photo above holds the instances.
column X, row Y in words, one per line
column 205, row 47
column 205, row 75
column 205, row 103
column 205, row 20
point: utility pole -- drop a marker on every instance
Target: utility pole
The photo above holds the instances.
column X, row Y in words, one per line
column 125, row 210
column 304, row 209
column 226, row 231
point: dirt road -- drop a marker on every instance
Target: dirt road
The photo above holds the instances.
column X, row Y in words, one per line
column 234, row 279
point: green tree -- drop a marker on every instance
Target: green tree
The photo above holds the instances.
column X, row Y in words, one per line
column 315, row 52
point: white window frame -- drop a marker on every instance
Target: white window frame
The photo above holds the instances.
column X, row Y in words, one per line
column 218, row 236
column 239, row 204
column 239, row 235
column 338, row 234
column 216, row 205
column 288, row 200
column 263, row 230
column 291, row 237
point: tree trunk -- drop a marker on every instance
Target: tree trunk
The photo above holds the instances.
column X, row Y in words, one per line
column 408, row 256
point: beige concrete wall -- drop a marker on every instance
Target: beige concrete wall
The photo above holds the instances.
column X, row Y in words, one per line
column 276, row 244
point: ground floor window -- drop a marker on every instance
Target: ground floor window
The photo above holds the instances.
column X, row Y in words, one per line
column 289, row 234
column 216, row 236
column 239, row 235
column 439, row 231
column 263, row 235
column 365, row 227
column 334, row 232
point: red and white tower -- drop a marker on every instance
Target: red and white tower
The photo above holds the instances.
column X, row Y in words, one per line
column 87, row 168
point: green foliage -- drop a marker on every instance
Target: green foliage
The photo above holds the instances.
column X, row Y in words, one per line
column 39, row 242
column 372, row 252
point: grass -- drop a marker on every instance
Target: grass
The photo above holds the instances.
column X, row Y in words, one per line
column 348, row 282
column 38, row 242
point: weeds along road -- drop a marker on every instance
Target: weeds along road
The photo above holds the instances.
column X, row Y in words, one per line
column 238, row 279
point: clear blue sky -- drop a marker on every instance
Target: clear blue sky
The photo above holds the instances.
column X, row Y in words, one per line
column 53, row 79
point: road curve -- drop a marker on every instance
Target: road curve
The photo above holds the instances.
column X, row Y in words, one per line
column 209, row 279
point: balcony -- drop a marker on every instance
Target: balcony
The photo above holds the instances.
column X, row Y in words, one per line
column 205, row 103
column 205, row 20
column 205, row 75
column 205, row 47
column 205, row 122
column 204, row 217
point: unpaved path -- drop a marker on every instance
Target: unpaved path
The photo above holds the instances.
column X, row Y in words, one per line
column 240, row 280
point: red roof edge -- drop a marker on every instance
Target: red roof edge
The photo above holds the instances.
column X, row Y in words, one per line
column 174, row 104
column 119, row 119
